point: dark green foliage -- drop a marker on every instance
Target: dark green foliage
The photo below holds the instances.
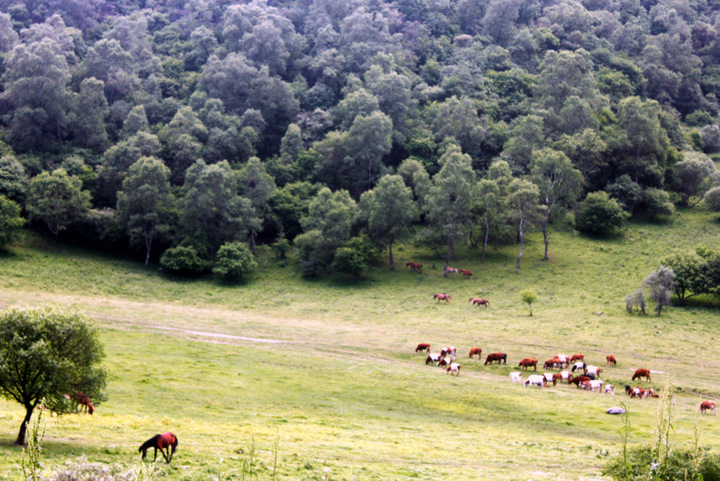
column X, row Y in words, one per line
column 56, row 200
column 628, row 193
column 234, row 261
column 46, row 353
column 183, row 261
column 10, row 220
column 599, row 215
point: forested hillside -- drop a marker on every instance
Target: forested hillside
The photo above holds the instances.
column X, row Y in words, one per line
column 178, row 127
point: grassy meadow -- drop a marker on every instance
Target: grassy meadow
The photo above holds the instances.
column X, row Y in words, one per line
column 313, row 379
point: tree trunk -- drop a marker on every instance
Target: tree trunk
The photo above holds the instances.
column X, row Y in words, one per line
column 545, row 237
column 148, row 247
column 392, row 262
column 23, row 427
column 522, row 243
column 252, row 240
column 487, row 234
column 447, row 257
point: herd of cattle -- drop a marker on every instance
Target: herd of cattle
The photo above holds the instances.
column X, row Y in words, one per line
column 583, row 375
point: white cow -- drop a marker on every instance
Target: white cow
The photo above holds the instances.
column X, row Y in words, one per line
column 453, row 368
column 594, row 370
column 536, row 380
column 593, row 385
column 516, row 376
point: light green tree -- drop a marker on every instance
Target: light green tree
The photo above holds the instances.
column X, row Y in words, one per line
column 57, row 200
column 529, row 296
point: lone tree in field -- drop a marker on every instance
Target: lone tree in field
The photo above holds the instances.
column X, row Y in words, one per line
column 661, row 284
column 528, row 296
column 48, row 353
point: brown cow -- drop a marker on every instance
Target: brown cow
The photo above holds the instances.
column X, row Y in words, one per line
column 553, row 363
column 528, row 362
column 707, row 406
column 496, row 356
column 579, row 380
column 577, row 357
column 611, row 360
column 642, row 373
column 475, row 350
column 423, row 346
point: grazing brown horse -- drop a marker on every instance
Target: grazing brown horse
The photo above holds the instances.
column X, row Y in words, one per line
column 475, row 350
column 611, row 360
column 423, row 346
column 414, row 267
column 479, row 302
column 496, row 356
column 84, row 402
column 442, row 297
column 465, row 273
column 162, row 442
column 528, row 362
column 642, row 373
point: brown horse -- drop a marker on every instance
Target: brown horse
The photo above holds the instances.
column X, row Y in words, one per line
column 414, row 267
column 83, row 400
column 465, row 273
column 442, row 297
column 160, row 441
column 480, row 302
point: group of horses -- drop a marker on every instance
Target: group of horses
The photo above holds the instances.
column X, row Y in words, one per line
column 417, row 268
column 587, row 378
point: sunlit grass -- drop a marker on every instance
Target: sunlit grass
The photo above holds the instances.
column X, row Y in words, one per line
column 344, row 394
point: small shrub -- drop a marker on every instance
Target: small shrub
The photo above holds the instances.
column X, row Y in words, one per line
column 528, row 296
column 234, row 261
column 182, row 260
column 599, row 215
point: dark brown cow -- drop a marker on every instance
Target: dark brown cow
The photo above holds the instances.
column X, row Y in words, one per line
column 611, row 360
column 528, row 362
column 475, row 350
column 642, row 373
column 500, row 357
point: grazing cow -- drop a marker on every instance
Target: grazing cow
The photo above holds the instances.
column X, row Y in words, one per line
column 592, row 370
column 414, row 267
column 642, row 373
column 565, row 376
column 639, row 392
column 442, row 297
column 445, row 361
column 577, row 357
column 628, row 389
column 528, row 362
column 479, row 302
column 550, row 378
column 451, row 270
column 611, row 360
column 536, row 380
column 578, row 380
column 579, row 365
column 466, row 274
column 707, row 406
column 475, row 350
column 564, row 358
column 432, row 358
column 592, row 385
column 496, row 356
column 423, row 346
column 453, row 368
column 516, row 376
column 609, row 389
column 448, row 351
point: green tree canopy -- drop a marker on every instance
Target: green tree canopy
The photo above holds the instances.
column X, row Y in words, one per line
column 57, row 200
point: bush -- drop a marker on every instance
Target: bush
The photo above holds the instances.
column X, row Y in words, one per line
column 600, row 215
column 680, row 465
column 183, row 261
column 10, row 220
column 234, row 261
column 626, row 192
column 355, row 256
column 712, row 199
column 656, row 203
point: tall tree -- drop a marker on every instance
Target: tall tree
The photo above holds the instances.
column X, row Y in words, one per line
column 145, row 203
column 558, row 182
column 451, row 197
column 487, row 205
column 389, row 210
column 524, row 196
column 47, row 353
column 57, row 200
column 258, row 186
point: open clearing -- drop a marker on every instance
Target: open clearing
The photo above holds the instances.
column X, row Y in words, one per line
column 323, row 371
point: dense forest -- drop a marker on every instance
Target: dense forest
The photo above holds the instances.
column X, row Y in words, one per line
column 197, row 130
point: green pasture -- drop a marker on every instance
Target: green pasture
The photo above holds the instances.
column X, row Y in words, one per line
column 318, row 377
